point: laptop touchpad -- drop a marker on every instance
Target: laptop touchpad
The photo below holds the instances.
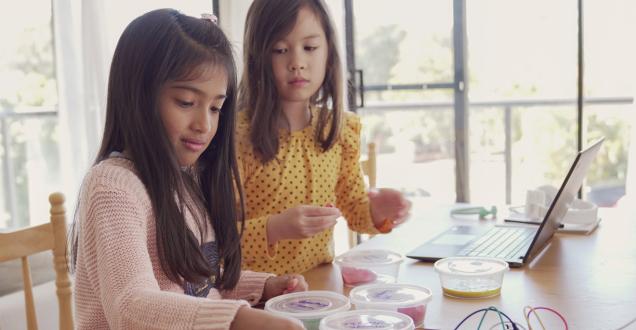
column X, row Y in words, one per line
column 454, row 239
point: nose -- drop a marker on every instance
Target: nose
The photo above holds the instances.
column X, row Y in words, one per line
column 297, row 62
column 202, row 121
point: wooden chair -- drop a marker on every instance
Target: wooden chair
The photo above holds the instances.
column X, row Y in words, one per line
column 28, row 241
column 369, row 169
column 369, row 165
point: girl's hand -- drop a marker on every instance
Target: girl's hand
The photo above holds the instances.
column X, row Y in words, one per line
column 300, row 222
column 275, row 286
column 250, row 318
column 388, row 204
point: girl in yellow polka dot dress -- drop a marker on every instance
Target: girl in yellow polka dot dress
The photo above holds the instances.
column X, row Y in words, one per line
column 298, row 150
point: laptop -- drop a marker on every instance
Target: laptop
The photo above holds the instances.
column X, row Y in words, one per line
column 517, row 245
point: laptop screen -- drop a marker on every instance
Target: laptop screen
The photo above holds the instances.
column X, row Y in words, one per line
column 563, row 198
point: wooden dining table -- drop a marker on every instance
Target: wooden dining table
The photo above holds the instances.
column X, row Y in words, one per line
column 589, row 279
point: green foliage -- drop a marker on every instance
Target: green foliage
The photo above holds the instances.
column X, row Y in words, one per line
column 610, row 167
column 379, row 53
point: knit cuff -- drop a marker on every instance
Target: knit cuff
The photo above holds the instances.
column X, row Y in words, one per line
column 252, row 286
column 217, row 314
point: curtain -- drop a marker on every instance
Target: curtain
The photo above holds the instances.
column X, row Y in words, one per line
column 81, row 67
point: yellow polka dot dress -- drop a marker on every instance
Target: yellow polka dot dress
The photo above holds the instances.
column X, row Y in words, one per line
column 300, row 174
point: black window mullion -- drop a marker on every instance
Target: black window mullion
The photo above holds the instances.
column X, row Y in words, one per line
column 462, row 162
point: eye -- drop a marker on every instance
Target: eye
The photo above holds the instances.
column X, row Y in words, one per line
column 279, row 50
column 311, row 48
column 215, row 110
column 184, row 104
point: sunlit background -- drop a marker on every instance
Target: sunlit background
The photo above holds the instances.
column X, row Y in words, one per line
column 521, row 74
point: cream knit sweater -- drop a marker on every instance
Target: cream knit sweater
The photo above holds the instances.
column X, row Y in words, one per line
column 119, row 282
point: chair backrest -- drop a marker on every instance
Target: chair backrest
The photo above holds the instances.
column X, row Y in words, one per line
column 369, row 169
column 369, row 165
column 49, row 236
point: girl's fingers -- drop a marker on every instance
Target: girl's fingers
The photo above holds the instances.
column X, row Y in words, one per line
column 296, row 284
column 406, row 203
column 321, row 224
column 317, row 224
column 320, row 211
column 323, row 219
column 398, row 221
column 291, row 285
column 403, row 218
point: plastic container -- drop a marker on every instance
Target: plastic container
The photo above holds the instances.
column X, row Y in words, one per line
column 309, row 306
column 369, row 266
column 471, row 277
column 367, row 319
column 407, row 299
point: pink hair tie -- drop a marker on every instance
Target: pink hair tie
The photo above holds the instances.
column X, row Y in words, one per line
column 210, row 17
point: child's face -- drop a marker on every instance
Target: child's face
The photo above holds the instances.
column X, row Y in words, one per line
column 190, row 112
column 299, row 60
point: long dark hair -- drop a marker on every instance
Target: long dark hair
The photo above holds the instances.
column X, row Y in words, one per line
column 267, row 22
column 160, row 46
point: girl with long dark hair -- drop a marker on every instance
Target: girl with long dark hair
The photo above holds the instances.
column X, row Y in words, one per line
column 156, row 244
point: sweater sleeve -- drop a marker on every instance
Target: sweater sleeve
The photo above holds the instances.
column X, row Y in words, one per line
column 129, row 292
column 351, row 194
column 250, row 287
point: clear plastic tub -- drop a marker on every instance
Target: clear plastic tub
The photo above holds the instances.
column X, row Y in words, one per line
column 407, row 299
column 369, row 266
column 471, row 277
column 309, row 306
column 367, row 319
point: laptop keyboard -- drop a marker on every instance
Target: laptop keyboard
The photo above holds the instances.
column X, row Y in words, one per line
column 499, row 242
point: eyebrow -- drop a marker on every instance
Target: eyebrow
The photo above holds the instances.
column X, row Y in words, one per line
column 313, row 36
column 197, row 91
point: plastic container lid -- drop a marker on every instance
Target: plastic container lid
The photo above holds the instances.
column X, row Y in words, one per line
column 470, row 266
column 369, row 258
column 308, row 304
column 390, row 295
column 367, row 319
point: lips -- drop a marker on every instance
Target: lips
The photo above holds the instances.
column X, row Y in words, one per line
column 193, row 144
column 299, row 82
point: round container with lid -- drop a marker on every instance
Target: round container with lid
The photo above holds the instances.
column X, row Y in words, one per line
column 471, row 277
column 403, row 298
column 367, row 319
column 369, row 266
column 308, row 306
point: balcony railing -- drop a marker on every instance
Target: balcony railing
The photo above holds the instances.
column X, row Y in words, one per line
column 506, row 105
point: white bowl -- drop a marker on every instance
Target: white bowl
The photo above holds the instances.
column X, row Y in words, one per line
column 367, row 319
column 369, row 266
column 407, row 299
column 308, row 306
